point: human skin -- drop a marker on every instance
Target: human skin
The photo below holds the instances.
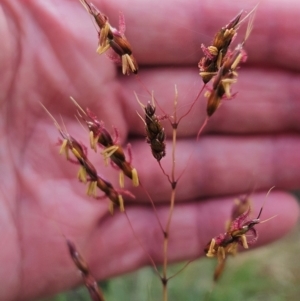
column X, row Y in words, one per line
column 250, row 144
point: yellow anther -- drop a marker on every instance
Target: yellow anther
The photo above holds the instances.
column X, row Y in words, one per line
column 92, row 189
column 108, row 152
column 76, row 153
column 234, row 73
column 204, row 73
column 131, row 64
column 121, row 202
column 213, row 50
column 121, row 179
column 93, row 141
column 81, row 175
column 227, row 84
column 236, row 61
column 229, row 32
column 127, row 63
column 211, row 250
column 219, row 60
column 135, row 178
column 124, row 64
column 102, row 48
column 64, row 149
column 103, row 34
column 244, row 241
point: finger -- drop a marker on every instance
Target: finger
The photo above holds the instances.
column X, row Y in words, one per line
column 218, row 165
column 193, row 225
column 266, row 101
column 213, row 166
column 177, row 39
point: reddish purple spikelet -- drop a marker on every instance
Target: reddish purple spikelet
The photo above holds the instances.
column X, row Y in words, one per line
column 154, row 130
column 220, row 63
column 111, row 149
column 227, row 243
column 89, row 281
column 235, row 234
column 214, row 54
column 110, row 37
column 87, row 171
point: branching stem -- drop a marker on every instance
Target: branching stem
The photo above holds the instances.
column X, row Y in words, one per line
column 191, row 107
column 172, row 199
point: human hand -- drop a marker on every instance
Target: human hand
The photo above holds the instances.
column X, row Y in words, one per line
column 252, row 140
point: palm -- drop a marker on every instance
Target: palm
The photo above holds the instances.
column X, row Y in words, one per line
column 40, row 196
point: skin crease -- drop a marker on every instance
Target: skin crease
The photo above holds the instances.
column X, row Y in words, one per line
column 251, row 141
